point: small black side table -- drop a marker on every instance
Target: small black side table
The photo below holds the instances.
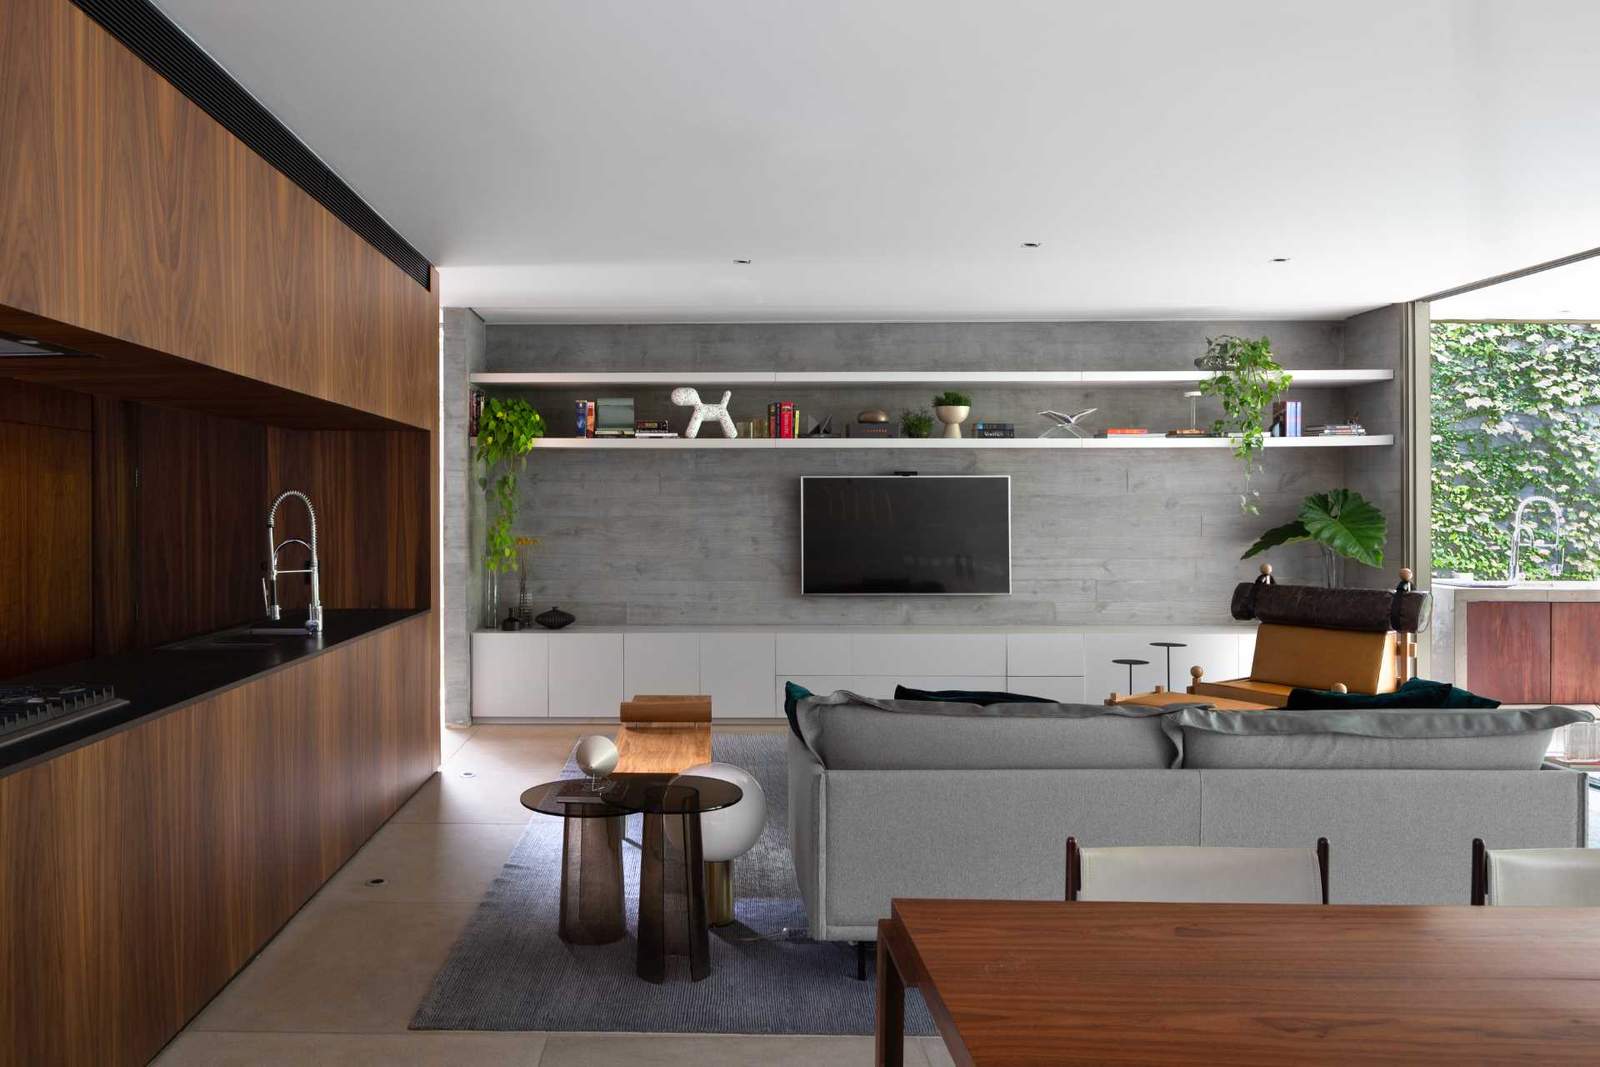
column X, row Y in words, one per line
column 1169, row 646
column 672, row 893
column 591, row 858
column 1131, row 664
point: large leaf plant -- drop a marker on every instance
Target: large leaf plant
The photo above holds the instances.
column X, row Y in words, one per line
column 507, row 430
column 1247, row 383
column 1343, row 522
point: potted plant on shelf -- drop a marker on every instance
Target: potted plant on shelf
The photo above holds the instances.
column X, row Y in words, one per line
column 1246, row 378
column 1343, row 522
column 952, row 408
column 507, row 430
column 916, row 424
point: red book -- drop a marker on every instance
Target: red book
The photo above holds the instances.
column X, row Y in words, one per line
column 786, row 415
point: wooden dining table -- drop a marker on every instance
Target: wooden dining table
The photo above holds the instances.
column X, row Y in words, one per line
column 1022, row 983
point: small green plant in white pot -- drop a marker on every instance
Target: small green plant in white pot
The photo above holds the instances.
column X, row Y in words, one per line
column 952, row 409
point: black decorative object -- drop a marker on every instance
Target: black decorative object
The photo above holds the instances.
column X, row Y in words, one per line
column 511, row 623
column 555, row 619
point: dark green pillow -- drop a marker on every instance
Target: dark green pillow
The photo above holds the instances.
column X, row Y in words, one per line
column 792, row 696
column 980, row 697
column 1417, row 693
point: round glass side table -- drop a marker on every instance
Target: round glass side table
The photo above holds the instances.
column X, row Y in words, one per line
column 591, row 857
column 672, row 893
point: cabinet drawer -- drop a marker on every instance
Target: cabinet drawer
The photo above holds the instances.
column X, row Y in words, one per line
column 736, row 671
column 813, row 653
column 510, row 676
column 661, row 664
column 585, row 675
column 1044, row 655
column 928, row 654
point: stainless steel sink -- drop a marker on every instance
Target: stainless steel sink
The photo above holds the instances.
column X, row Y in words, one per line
column 242, row 637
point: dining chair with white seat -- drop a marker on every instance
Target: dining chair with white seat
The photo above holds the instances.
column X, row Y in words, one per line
column 1187, row 874
column 1535, row 877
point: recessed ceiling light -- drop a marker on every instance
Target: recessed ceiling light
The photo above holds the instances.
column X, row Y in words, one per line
column 1280, row 259
column 742, row 262
column 1032, row 244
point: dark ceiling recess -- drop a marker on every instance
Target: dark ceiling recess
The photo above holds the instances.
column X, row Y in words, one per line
column 168, row 51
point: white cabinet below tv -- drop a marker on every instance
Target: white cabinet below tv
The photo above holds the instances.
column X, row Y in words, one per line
column 585, row 673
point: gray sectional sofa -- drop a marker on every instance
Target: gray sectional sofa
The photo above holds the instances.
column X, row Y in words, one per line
column 915, row 799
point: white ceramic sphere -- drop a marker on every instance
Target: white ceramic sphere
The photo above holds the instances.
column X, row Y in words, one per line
column 596, row 755
column 728, row 833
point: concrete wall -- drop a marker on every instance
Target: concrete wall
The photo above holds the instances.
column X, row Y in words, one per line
column 701, row 537
column 463, row 353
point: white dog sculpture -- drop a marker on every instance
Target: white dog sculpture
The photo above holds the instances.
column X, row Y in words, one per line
column 686, row 397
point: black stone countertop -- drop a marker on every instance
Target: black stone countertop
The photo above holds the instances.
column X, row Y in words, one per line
column 158, row 680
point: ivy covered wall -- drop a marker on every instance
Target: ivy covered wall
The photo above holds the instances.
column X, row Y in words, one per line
column 1516, row 411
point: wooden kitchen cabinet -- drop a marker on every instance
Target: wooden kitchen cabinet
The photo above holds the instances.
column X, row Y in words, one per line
column 1508, row 650
column 1575, row 653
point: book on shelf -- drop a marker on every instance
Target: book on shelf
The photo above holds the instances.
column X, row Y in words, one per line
column 1286, row 416
column 1125, row 431
column 654, row 433
column 1343, row 429
column 583, row 418
column 652, row 425
column 869, row 429
column 994, row 430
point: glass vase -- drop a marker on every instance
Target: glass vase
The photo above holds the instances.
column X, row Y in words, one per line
column 491, row 600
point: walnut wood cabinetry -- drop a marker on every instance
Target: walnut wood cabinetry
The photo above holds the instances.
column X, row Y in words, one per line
column 1534, row 652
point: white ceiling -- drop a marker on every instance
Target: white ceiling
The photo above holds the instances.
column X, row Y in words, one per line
column 1570, row 292
column 592, row 160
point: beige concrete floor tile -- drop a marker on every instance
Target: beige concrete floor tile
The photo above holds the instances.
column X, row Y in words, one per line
column 933, row 1050
column 427, row 862
column 341, row 966
column 542, row 750
column 451, row 738
column 709, row 1050
column 421, row 1049
column 464, row 795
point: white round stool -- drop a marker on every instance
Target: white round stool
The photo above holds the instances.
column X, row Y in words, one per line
column 727, row 834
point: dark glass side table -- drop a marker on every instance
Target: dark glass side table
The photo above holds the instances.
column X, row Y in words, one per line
column 672, row 895
column 591, row 858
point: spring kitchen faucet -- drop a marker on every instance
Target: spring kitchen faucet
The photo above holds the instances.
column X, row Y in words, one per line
column 269, row 583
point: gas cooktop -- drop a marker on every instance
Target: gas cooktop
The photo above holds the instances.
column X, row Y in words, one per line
column 26, row 710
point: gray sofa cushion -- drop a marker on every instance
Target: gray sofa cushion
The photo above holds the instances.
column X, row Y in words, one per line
column 1425, row 739
column 850, row 732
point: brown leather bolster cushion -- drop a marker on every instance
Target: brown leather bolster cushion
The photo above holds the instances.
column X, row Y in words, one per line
column 1365, row 610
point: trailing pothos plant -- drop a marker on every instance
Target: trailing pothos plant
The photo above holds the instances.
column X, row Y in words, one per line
column 507, row 429
column 1343, row 522
column 1247, row 383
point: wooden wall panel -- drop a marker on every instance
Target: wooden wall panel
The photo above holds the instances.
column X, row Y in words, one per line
column 144, row 870
column 201, row 514
column 128, row 212
column 45, row 556
column 116, row 526
column 1508, row 651
column 373, row 513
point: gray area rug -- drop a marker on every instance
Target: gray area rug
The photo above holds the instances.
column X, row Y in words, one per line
column 510, row 970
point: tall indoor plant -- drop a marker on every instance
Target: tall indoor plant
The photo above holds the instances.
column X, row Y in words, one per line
column 507, row 430
column 1247, row 379
column 1343, row 522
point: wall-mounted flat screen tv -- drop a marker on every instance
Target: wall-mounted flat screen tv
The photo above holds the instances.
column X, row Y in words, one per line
column 894, row 535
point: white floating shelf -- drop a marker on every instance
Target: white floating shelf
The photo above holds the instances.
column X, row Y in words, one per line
column 1325, row 379
column 1375, row 440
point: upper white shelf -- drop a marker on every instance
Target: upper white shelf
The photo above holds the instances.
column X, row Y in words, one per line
column 1372, row 440
column 573, row 379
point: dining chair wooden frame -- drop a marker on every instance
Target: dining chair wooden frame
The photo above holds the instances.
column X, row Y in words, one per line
column 1075, row 867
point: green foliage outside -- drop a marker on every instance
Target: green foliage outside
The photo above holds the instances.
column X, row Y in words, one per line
column 1516, row 411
